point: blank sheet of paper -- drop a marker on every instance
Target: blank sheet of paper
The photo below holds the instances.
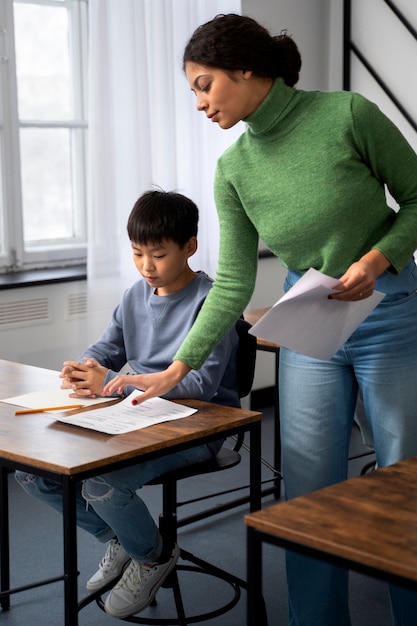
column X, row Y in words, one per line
column 52, row 397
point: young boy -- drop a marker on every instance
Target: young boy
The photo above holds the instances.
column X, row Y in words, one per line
column 145, row 331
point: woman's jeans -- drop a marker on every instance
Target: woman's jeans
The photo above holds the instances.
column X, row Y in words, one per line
column 317, row 404
column 108, row 505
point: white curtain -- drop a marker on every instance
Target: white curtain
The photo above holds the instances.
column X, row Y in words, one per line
column 144, row 131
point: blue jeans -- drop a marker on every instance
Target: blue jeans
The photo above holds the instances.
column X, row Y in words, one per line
column 108, row 505
column 317, row 404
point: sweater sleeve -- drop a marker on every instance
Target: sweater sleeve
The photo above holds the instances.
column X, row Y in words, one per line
column 394, row 163
column 235, row 279
column 109, row 349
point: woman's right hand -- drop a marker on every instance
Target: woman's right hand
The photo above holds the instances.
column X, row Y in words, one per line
column 152, row 385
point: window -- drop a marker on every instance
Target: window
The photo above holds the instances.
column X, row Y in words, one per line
column 43, row 71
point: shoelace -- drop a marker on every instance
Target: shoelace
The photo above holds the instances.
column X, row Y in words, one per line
column 111, row 552
column 135, row 574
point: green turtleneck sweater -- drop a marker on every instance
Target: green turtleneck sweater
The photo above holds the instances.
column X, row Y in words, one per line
column 308, row 176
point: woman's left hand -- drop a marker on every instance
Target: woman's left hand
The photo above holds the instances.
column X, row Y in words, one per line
column 358, row 282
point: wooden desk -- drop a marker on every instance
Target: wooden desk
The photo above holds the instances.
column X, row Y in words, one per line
column 367, row 524
column 38, row 444
column 252, row 316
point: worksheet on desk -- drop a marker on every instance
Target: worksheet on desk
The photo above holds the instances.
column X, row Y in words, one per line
column 307, row 321
column 125, row 417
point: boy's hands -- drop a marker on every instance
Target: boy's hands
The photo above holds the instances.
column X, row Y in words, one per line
column 85, row 379
column 153, row 385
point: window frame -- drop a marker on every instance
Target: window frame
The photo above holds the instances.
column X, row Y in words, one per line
column 56, row 253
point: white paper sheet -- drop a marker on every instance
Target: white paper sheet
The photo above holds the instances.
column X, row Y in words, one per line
column 306, row 321
column 51, row 397
column 124, row 417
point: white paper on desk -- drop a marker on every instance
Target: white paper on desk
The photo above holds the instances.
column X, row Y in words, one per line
column 52, row 397
column 306, row 321
column 124, row 417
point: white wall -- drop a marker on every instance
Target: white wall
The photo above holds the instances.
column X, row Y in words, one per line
column 43, row 325
column 307, row 21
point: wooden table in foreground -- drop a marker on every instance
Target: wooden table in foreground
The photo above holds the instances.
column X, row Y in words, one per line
column 367, row 524
column 41, row 445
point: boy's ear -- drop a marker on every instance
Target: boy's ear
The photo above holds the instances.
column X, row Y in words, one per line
column 191, row 246
column 246, row 74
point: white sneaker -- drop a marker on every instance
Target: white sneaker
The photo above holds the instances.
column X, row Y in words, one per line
column 111, row 566
column 138, row 586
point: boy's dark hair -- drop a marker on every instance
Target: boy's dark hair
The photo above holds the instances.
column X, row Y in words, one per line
column 161, row 215
column 237, row 42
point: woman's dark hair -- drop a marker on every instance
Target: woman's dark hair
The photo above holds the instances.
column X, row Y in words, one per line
column 161, row 215
column 237, row 42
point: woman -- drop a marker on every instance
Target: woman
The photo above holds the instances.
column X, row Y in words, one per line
column 308, row 176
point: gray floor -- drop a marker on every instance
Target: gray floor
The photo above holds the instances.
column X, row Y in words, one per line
column 36, row 553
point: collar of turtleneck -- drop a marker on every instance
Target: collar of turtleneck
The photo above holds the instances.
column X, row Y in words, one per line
column 272, row 109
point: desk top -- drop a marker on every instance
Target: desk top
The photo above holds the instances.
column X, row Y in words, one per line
column 369, row 520
column 44, row 443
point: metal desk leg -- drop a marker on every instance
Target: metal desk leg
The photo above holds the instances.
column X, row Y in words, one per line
column 274, row 349
column 4, row 538
column 277, row 428
column 255, row 467
column 256, row 610
column 69, row 486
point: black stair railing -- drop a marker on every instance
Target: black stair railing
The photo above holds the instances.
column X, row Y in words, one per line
column 349, row 47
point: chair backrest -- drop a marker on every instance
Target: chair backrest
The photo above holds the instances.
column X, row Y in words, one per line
column 246, row 357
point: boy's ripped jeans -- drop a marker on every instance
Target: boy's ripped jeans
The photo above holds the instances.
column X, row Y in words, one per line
column 109, row 505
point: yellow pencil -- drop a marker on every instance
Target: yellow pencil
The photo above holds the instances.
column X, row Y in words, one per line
column 49, row 408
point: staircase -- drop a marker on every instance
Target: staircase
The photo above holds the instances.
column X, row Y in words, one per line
column 380, row 57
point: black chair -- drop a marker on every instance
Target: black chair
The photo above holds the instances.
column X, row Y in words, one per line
column 226, row 458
